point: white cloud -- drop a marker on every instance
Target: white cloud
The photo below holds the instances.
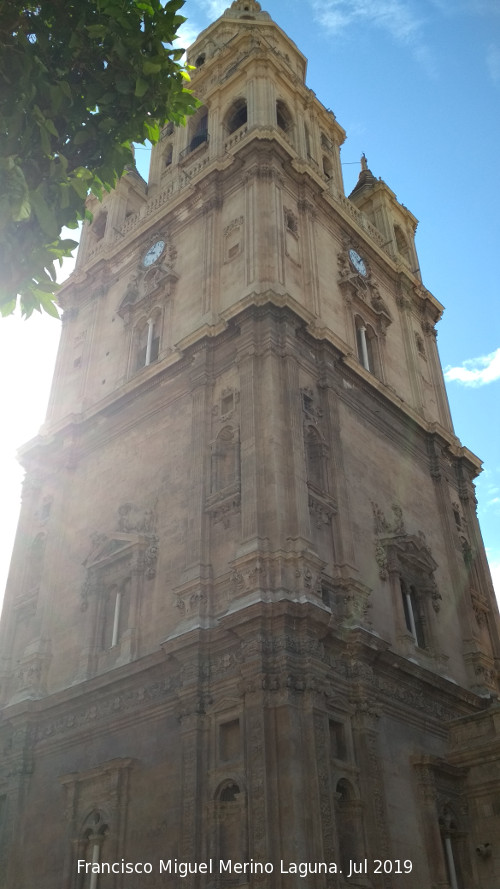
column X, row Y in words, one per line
column 188, row 32
column 395, row 16
column 200, row 9
column 215, row 8
column 476, row 371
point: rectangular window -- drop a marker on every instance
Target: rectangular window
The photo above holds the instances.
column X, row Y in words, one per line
column 338, row 747
column 229, row 740
column 413, row 619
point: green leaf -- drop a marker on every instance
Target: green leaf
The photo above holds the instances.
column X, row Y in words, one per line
column 151, row 68
column 45, row 215
column 141, row 87
column 99, row 76
column 80, row 186
column 96, row 30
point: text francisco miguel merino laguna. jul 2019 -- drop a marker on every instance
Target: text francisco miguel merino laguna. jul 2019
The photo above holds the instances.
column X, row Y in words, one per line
column 221, row 866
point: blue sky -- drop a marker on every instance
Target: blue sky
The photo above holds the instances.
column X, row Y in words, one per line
column 416, row 85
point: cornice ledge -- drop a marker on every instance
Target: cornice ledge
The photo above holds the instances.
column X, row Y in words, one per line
column 456, row 448
column 268, row 297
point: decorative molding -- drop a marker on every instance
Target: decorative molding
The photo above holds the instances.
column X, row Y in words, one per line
column 234, row 224
column 135, row 518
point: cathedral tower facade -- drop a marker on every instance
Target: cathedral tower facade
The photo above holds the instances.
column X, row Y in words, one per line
column 249, row 617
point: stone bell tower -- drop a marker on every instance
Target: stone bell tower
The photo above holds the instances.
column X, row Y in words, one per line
column 249, row 627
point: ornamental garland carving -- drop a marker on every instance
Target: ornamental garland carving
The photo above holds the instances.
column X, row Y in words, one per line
column 135, row 518
column 106, row 707
column 234, row 224
column 191, row 602
column 321, row 513
column 382, row 525
column 480, row 608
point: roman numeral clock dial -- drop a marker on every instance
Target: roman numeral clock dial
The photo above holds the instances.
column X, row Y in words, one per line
column 153, row 254
column 358, row 263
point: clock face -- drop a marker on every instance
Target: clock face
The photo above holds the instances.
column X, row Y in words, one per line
column 153, row 254
column 358, row 263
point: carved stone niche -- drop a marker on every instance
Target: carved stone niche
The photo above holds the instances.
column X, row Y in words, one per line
column 96, row 813
column 405, row 560
column 118, row 569
column 444, row 816
column 361, row 293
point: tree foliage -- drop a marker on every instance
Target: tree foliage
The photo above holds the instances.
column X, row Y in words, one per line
column 80, row 80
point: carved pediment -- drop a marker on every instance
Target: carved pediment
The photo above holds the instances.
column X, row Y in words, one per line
column 134, row 525
column 412, row 550
column 105, row 548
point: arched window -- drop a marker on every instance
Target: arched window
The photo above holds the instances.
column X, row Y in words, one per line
column 451, row 838
column 237, row 116
column 115, row 618
column 94, row 832
column 327, row 167
column 283, row 117
column 199, row 129
column 402, row 243
column 231, row 827
column 147, row 343
column 99, row 225
column 366, row 344
column 349, row 825
column 412, row 608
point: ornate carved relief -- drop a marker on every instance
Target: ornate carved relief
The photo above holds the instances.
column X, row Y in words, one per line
column 361, row 292
column 324, row 785
column 30, row 677
column 117, row 570
column 135, row 518
column 321, row 512
column 386, row 526
column 482, row 672
column 352, row 602
column 223, row 505
column 257, row 783
column 149, row 284
column 85, row 715
column 96, row 806
column 191, row 602
column 480, row 607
